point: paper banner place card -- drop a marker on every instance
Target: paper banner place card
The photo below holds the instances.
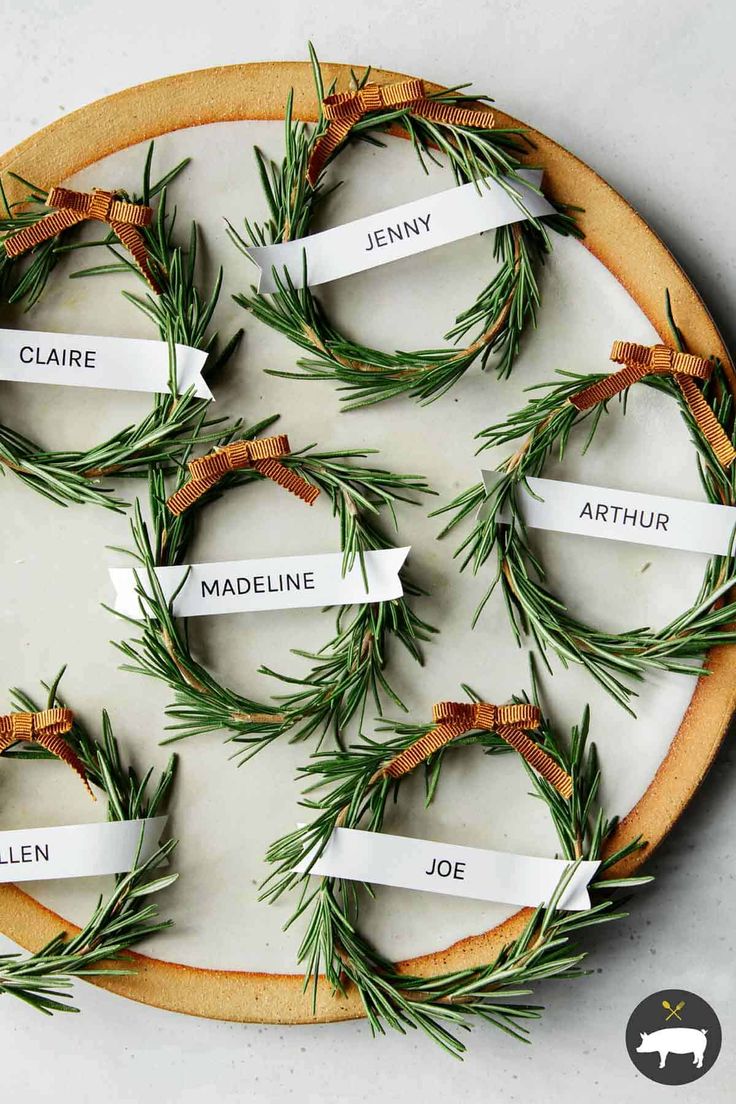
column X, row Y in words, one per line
column 621, row 515
column 380, row 859
column 78, row 850
column 400, row 231
column 112, row 363
column 283, row 582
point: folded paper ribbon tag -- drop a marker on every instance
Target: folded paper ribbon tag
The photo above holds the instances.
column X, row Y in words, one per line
column 113, row 363
column 380, row 859
column 283, row 582
column 621, row 515
column 78, row 850
column 400, row 232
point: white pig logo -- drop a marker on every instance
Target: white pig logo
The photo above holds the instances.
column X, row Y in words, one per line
column 675, row 1040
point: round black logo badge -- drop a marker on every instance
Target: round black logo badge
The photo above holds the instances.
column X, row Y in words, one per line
column 673, row 1037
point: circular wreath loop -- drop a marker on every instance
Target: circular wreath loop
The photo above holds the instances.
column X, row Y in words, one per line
column 127, row 917
column 350, row 669
column 704, row 394
column 356, row 787
column 37, row 228
column 447, row 123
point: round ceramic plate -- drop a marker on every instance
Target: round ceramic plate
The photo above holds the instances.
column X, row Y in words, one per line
column 226, row 956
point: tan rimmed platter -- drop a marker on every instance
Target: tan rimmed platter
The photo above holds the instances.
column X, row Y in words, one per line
column 692, row 720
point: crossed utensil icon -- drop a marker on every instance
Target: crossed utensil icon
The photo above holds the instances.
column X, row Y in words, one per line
column 673, row 1011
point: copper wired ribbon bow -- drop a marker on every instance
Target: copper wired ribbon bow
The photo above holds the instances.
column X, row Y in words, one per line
column 44, row 728
column 123, row 218
column 510, row 722
column 262, row 455
column 648, row 360
column 344, row 109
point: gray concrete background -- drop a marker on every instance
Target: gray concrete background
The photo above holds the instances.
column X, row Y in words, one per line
column 643, row 93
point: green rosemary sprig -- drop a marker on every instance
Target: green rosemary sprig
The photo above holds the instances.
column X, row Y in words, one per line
column 44, row 979
column 25, row 282
column 182, row 314
column 498, row 317
column 352, row 792
column 615, row 660
column 348, row 671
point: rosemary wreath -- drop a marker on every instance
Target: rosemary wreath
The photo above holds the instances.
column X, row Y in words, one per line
column 476, row 152
column 615, row 660
column 44, row 979
column 348, row 671
column 357, row 786
column 181, row 314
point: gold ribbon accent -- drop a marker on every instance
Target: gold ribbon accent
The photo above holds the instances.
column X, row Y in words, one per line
column 123, row 218
column 44, row 728
column 649, row 360
column 345, row 109
column 510, row 722
column 261, row 454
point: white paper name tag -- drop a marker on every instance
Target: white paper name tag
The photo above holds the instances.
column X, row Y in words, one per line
column 284, row 582
column 113, row 363
column 622, row 515
column 509, row 879
column 399, row 232
column 78, row 850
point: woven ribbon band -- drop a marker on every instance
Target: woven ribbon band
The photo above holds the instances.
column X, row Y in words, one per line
column 262, row 455
column 647, row 360
column 345, row 109
column 44, row 728
column 510, row 722
column 123, row 218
